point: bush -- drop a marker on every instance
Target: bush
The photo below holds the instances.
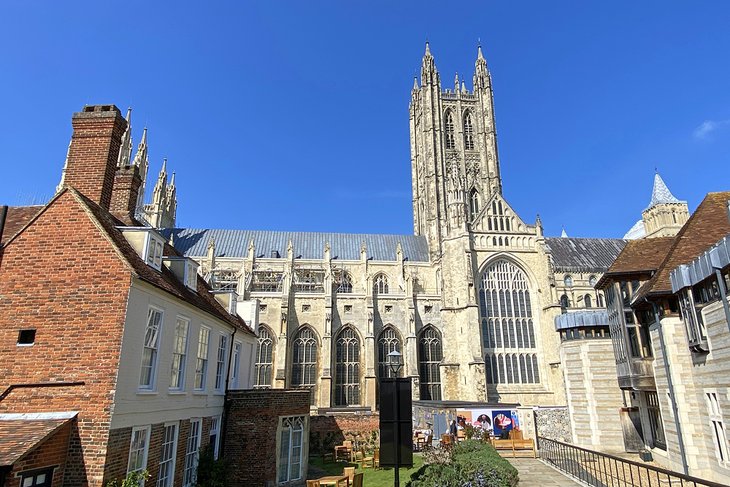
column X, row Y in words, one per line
column 473, row 464
column 133, row 479
column 211, row 472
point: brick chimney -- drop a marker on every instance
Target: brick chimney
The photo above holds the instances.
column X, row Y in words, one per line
column 92, row 157
column 127, row 183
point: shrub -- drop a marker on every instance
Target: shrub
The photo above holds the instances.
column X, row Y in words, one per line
column 211, row 472
column 133, row 479
column 473, row 464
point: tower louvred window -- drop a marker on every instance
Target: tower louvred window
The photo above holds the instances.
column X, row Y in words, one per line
column 468, row 132
column 449, row 130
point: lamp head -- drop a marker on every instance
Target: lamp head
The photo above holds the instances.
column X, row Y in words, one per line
column 395, row 362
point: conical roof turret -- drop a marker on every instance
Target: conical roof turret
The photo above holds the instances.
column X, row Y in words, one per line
column 660, row 193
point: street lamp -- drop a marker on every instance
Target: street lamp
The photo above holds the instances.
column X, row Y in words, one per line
column 395, row 362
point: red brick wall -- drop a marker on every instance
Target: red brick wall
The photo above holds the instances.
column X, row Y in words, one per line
column 326, row 431
column 119, row 443
column 52, row 452
column 250, row 432
column 92, row 156
column 63, row 278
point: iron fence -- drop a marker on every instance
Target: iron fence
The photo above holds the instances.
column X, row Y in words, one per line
column 603, row 470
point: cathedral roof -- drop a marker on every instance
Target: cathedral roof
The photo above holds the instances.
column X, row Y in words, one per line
column 637, row 231
column 307, row 245
column 583, row 254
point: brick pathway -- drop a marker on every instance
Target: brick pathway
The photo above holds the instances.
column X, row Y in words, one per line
column 534, row 473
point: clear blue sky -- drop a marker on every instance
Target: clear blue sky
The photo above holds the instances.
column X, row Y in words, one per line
column 294, row 115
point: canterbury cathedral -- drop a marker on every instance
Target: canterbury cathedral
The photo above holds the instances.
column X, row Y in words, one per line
column 476, row 299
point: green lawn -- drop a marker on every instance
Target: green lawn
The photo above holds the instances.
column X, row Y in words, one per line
column 382, row 477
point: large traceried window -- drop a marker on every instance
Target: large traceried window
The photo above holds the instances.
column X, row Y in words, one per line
column 291, row 448
column 347, row 368
column 430, row 354
column 449, row 130
column 264, row 366
column 507, row 325
column 473, row 203
column 387, row 342
column 304, row 359
column 343, row 282
column 150, row 347
column 309, row 280
column 380, row 284
column 468, row 132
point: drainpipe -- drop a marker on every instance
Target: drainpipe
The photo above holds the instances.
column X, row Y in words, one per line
column 670, row 385
column 723, row 294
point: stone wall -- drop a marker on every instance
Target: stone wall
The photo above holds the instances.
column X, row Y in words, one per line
column 326, row 431
column 553, row 423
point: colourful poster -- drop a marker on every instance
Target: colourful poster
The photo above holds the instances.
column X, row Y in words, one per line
column 502, row 421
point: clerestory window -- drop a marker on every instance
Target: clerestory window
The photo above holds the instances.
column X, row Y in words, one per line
column 380, row 284
column 449, row 130
column 468, row 132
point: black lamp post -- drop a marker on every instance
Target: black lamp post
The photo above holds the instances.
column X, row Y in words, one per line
column 395, row 362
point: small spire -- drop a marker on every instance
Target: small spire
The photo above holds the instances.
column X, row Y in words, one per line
column 415, row 83
column 563, row 234
column 480, row 55
column 428, row 50
column 164, row 167
column 463, row 87
column 172, row 181
column 456, row 82
column 125, row 151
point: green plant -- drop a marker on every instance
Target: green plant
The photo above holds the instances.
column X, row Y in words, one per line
column 472, row 464
column 211, row 472
column 133, row 479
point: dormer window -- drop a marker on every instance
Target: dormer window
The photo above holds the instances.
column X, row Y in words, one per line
column 153, row 252
column 191, row 275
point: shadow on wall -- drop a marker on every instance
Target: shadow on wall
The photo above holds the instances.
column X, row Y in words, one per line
column 325, row 432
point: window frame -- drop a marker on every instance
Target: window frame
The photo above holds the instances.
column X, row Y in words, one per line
column 192, row 453
column 168, row 481
column 214, row 435
column 468, row 126
column 430, row 356
column 284, row 459
column 260, row 366
column 179, row 358
column 656, row 421
column 235, row 364
column 201, row 370
column 147, row 429
column 153, row 251
column 717, row 427
column 381, row 284
column 154, row 354
column 221, row 360
column 347, row 368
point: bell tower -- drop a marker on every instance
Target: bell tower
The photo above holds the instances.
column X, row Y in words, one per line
column 454, row 159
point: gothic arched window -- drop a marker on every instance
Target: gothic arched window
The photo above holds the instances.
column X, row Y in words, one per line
column 264, row 366
column 473, row 203
column 449, row 130
column 380, row 284
column 601, row 304
column 506, row 320
column 387, row 342
column 468, row 132
column 343, row 283
column 347, row 368
column 430, row 355
column 568, row 280
column 588, row 301
column 564, row 301
column 304, row 359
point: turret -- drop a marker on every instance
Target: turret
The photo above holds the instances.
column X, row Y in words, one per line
column 141, row 160
column 665, row 214
column 429, row 73
column 125, row 151
column 482, row 79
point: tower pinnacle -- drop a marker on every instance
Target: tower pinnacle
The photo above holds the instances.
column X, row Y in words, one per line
column 125, row 152
column 429, row 74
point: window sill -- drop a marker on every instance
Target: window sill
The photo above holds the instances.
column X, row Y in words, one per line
column 146, row 392
column 200, row 393
column 177, row 392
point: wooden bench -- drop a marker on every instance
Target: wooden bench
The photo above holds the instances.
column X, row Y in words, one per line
column 516, row 446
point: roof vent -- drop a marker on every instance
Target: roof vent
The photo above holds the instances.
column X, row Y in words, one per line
column 275, row 254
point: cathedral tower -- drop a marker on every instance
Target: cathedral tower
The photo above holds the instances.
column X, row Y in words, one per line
column 665, row 214
column 454, row 161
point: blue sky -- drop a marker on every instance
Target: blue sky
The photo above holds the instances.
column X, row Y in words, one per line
column 294, row 115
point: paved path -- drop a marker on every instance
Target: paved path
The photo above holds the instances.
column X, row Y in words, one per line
column 534, row 473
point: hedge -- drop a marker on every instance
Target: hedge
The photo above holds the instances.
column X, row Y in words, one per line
column 471, row 463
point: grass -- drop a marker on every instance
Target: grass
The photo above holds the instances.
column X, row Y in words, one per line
column 382, row 477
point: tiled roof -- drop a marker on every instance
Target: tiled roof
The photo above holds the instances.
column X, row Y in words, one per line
column 309, row 245
column 21, row 435
column 16, row 219
column 583, row 254
column 164, row 280
column 708, row 224
column 643, row 255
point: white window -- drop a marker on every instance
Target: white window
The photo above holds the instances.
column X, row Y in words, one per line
column 718, row 427
column 215, row 435
column 138, row 449
column 149, row 350
column 191, row 454
column 166, row 477
column 191, row 275
column 179, row 353
column 380, row 284
column 201, row 365
column 220, row 366
column 235, row 365
column 154, row 252
column 290, row 449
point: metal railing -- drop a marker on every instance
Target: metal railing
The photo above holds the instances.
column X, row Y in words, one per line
column 603, row 470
